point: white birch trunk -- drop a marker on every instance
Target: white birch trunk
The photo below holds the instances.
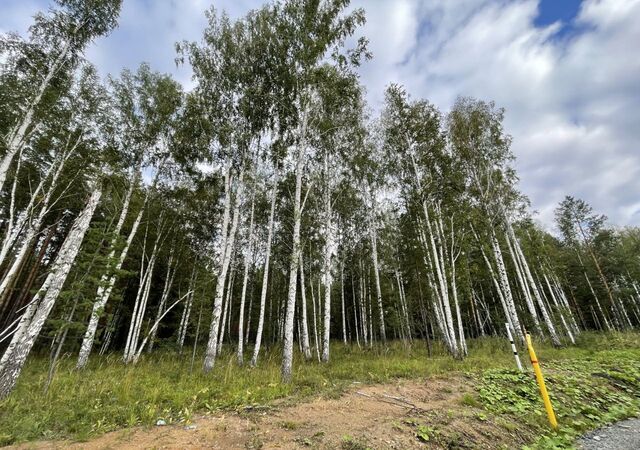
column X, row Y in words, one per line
column 523, row 283
column 327, row 276
column 306, row 350
column 16, row 354
column 186, row 313
column 287, row 353
column 32, row 226
column 441, row 273
column 355, row 311
column 496, row 283
column 102, row 297
column 245, row 280
column 227, row 243
column 373, row 235
column 461, row 339
column 536, row 292
column 606, row 322
column 226, row 306
column 168, row 283
column 265, row 275
column 344, row 319
column 559, row 309
column 140, row 305
column 17, row 136
column 506, row 289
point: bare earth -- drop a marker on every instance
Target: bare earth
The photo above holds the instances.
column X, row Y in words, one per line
column 403, row 415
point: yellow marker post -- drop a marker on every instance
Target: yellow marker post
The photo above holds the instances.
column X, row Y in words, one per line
column 541, row 385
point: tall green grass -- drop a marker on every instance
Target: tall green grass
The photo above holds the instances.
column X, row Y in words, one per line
column 109, row 395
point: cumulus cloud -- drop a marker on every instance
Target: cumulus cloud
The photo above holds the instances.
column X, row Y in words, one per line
column 571, row 99
column 571, row 90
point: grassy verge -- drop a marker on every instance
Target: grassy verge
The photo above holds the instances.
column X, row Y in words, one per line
column 597, row 385
column 109, row 395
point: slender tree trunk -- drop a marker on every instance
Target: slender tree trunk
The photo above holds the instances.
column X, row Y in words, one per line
column 107, row 283
column 226, row 311
column 154, row 327
column 186, row 313
column 287, row 352
column 327, row 308
column 195, row 339
column 606, row 322
column 16, row 354
column 327, row 277
column 376, row 272
column 598, row 268
column 265, row 274
column 16, row 138
column 248, row 255
column 33, row 226
column 559, row 309
column 355, row 310
column 306, row 350
column 523, row 283
column 142, row 297
column 534, row 287
column 506, row 289
column 227, row 243
column 249, row 313
column 168, row 283
column 13, row 231
column 344, row 318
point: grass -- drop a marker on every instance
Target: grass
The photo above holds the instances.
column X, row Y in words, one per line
column 108, row 395
column 600, row 384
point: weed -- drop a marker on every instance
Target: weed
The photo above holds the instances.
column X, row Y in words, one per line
column 591, row 383
column 351, row 443
column 471, row 400
column 289, row 425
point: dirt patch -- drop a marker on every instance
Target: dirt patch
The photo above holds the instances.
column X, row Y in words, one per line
column 432, row 413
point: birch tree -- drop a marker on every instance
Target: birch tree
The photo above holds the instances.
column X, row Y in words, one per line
column 146, row 106
column 40, row 306
column 56, row 43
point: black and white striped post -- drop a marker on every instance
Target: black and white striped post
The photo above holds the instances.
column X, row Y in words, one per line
column 513, row 347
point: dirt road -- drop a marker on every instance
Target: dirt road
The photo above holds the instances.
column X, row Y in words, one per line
column 430, row 413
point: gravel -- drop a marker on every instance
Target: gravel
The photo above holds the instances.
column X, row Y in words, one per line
column 623, row 435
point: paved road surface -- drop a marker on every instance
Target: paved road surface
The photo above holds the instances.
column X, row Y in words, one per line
column 623, row 435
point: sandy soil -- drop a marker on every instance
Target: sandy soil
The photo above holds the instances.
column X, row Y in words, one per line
column 404, row 415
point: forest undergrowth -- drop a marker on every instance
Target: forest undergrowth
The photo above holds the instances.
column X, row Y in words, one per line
column 595, row 382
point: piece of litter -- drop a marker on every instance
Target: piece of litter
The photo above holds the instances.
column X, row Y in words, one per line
column 161, row 423
column 596, row 438
column 190, row 427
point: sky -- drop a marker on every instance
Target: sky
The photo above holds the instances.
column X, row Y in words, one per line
column 567, row 73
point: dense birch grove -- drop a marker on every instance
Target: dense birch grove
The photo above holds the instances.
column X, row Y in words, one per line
column 270, row 206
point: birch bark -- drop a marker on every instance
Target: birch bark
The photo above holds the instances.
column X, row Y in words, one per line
column 265, row 275
column 287, row 352
column 248, row 254
column 16, row 138
column 227, row 241
column 16, row 354
column 306, row 349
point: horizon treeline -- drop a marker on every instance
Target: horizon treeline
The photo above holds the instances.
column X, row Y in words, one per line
column 269, row 206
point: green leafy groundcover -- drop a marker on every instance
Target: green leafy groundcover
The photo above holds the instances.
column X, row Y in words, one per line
column 586, row 394
column 592, row 383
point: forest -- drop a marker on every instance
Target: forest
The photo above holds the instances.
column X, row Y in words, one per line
column 270, row 210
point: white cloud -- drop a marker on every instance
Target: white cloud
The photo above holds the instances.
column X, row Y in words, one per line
column 572, row 103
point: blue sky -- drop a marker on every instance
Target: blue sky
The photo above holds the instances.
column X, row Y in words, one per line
column 550, row 11
column 565, row 71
